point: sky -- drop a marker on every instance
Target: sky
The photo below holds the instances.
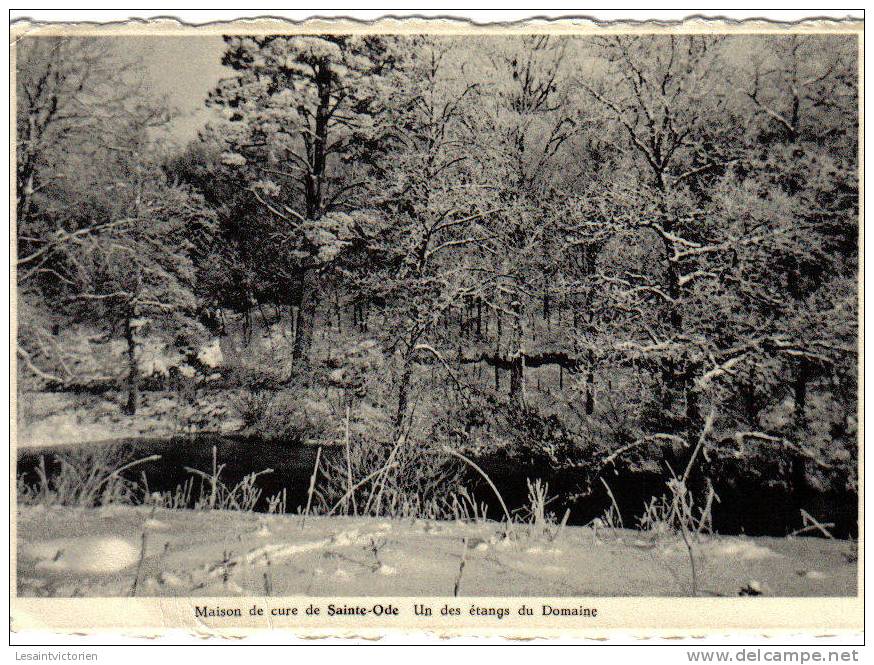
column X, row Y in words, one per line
column 181, row 72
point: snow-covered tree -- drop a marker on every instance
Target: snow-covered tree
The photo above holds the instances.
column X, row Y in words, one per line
column 304, row 125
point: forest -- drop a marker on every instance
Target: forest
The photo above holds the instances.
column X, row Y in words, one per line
column 623, row 265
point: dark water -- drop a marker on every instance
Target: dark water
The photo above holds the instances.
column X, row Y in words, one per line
column 292, row 465
column 743, row 509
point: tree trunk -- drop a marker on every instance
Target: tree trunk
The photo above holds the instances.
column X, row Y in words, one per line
column 797, row 468
column 694, row 423
column 247, row 326
column 517, row 367
column 314, row 208
column 752, row 412
column 133, row 376
column 306, row 318
column 671, row 375
column 403, row 394
column 799, row 389
column 497, row 353
column 517, row 379
column 26, row 197
column 590, row 384
column 319, row 146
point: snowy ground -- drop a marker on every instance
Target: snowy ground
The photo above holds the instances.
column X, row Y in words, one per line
column 97, row 552
column 57, row 419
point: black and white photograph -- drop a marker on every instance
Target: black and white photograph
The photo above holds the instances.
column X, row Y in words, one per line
column 463, row 314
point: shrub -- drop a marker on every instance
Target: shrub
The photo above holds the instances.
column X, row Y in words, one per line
column 292, row 416
column 418, row 481
column 85, row 477
column 250, row 405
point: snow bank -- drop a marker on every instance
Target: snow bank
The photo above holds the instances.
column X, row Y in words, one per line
column 91, row 555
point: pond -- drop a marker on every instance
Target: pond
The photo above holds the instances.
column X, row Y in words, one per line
column 753, row 510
